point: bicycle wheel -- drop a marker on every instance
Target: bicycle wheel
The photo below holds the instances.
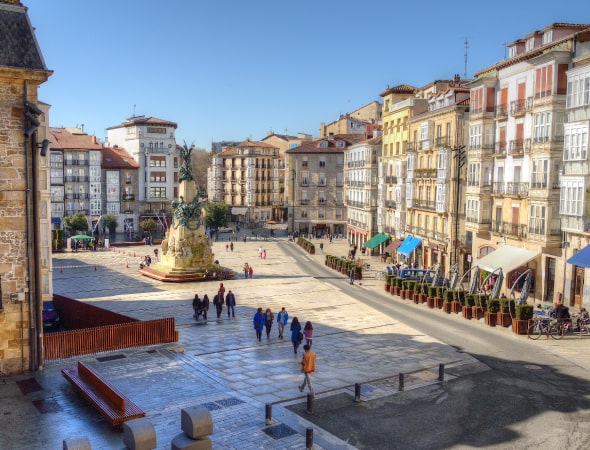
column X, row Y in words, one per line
column 535, row 330
column 556, row 331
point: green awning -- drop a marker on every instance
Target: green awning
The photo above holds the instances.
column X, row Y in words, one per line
column 376, row 240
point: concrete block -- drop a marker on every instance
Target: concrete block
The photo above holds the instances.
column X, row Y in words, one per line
column 183, row 442
column 196, row 422
column 139, row 434
column 77, row 443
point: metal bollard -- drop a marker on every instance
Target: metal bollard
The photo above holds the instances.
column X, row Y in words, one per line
column 357, row 392
column 268, row 414
column 441, row 372
column 309, row 404
column 401, row 381
column 309, row 439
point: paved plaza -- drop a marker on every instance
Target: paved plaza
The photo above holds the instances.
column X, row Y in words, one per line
column 219, row 363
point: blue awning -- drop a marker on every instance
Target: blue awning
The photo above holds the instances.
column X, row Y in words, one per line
column 409, row 245
column 582, row 258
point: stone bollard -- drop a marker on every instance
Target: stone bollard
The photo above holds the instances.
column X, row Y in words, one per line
column 197, row 425
column 77, row 443
column 139, row 434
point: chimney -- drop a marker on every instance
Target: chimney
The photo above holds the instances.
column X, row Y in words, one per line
column 331, row 136
column 94, row 139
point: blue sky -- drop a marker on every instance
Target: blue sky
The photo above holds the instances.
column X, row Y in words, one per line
column 236, row 69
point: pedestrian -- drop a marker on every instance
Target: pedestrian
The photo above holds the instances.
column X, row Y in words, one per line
column 231, row 246
column 282, row 320
column 321, row 247
column 308, row 333
column 227, row 247
column 307, row 367
column 205, row 306
column 260, row 252
column 351, row 275
column 197, row 306
column 264, row 254
column 269, row 318
column 258, row 322
column 250, row 271
column 221, row 289
column 230, row 302
column 218, row 302
column 296, row 335
column 246, row 270
column 156, row 253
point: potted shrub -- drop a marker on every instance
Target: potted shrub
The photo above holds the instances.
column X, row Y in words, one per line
column 431, row 296
column 524, row 313
column 458, row 300
column 506, row 312
column 397, row 286
column 468, row 305
column 491, row 315
column 388, row 283
column 419, row 296
column 404, row 289
column 448, row 299
column 439, row 299
column 481, row 306
column 358, row 272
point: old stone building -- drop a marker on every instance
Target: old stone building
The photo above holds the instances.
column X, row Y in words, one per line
column 25, row 252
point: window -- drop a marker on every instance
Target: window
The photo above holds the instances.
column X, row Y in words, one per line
column 542, row 127
column 537, row 219
column 157, row 192
column 157, row 161
column 473, row 171
column 571, row 201
column 539, row 173
column 543, row 81
column 578, row 90
column 156, row 130
column 575, row 145
column 472, row 210
column 304, row 178
column 322, row 179
column 304, row 162
column 475, row 136
column 441, row 198
column 158, row 177
column 322, row 161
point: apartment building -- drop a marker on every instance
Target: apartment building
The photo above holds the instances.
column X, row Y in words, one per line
column 513, row 187
column 363, row 120
column 76, row 160
column 434, row 209
column 247, row 178
column 361, row 163
column 314, row 185
column 152, row 143
column 574, row 179
column 120, row 181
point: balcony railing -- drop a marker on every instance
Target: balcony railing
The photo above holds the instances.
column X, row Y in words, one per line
column 129, row 197
column 391, row 179
column 521, row 106
column 423, row 204
column 500, row 148
column 509, row 229
column 519, row 147
column 502, row 111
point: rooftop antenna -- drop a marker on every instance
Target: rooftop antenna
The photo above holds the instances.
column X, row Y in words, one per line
column 134, row 110
column 466, row 54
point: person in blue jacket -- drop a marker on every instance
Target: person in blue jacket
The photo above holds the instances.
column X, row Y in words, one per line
column 296, row 335
column 282, row 320
column 259, row 323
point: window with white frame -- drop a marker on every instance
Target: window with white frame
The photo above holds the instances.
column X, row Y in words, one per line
column 322, row 179
column 475, row 136
column 472, row 210
column 322, row 161
column 575, row 144
column 304, row 162
column 571, row 200
column 539, row 174
column 441, row 197
column 409, row 192
column 537, row 219
column 473, row 171
column 304, row 178
column 410, row 165
column 578, row 90
column 542, row 127
column 441, row 161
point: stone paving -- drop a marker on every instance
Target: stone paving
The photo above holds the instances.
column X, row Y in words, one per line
column 219, row 364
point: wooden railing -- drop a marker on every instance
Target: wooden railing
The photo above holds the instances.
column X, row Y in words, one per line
column 86, row 341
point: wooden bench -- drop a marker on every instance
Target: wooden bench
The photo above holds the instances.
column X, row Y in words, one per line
column 113, row 405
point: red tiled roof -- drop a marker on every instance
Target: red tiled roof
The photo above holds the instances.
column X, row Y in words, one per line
column 313, row 146
column 143, row 120
column 63, row 139
column 399, row 89
column 117, row 158
column 249, row 143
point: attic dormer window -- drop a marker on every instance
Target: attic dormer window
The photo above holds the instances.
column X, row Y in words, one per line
column 548, row 37
column 323, row 144
column 340, row 144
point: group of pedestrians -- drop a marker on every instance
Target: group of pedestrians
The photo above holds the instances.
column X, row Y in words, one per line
column 263, row 320
column 201, row 306
column 248, row 271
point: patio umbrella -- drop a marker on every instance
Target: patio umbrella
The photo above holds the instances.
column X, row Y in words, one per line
column 80, row 237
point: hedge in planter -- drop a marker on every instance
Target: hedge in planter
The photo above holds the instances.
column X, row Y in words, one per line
column 524, row 313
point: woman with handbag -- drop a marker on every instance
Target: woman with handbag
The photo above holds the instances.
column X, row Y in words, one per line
column 296, row 334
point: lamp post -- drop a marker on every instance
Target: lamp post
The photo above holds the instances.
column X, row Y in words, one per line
column 293, row 175
column 459, row 157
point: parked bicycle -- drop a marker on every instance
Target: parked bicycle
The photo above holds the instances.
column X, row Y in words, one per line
column 546, row 326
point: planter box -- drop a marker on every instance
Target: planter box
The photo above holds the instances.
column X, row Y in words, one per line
column 387, row 287
column 490, row 318
column 438, row 302
column 421, row 298
column 504, row 320
column 403, row 294
column 476, row 312
column 467, row 312
column 447, row 307
column 430, row 302
column 520, row 326
column 456, row 307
